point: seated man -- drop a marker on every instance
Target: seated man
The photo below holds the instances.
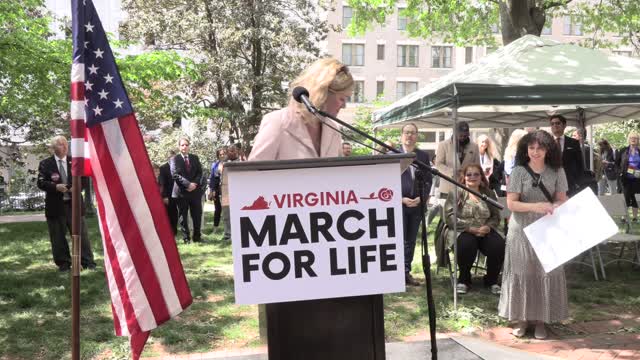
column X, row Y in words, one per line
column 477, row 224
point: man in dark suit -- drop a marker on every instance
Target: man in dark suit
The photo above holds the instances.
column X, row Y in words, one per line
column 166, row 189
column 411, row 214
column 572, row 160
column 54, row 177
column 186, row 171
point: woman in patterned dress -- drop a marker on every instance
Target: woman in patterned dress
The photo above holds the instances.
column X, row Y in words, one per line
column 477, row 230
column 529, row 295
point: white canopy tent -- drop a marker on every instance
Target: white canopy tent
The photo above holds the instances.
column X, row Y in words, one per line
column 521, row 84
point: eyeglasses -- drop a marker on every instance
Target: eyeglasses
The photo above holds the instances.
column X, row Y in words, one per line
column 472, row 175
column 409, row 133
column 556, row 123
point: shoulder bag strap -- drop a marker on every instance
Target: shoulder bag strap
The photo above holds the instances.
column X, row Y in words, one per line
column 537, row 182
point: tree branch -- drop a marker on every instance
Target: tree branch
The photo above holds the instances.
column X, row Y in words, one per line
column 556, row 4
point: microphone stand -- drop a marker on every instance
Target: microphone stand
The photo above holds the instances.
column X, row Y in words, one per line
column 426, row 266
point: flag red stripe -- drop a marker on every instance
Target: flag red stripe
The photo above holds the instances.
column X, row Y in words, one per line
column 78, row 130
column 77, row 91
column 129, row 227
column 133, row 139
column 132, row 321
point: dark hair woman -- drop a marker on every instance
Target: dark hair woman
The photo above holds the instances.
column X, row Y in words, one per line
column 609, row 176
column 537, row 186
column 477, row 229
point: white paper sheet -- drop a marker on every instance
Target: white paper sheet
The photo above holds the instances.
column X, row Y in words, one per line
column 574, row 227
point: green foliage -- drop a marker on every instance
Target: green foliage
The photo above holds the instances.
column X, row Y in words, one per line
column 466, row 23
column 245, row 51
column 153, row 81
column 363, row 122
column 619, row 17
column 34, row 72
column 616, row 132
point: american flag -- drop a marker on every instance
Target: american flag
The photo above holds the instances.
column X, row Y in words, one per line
column 143, row 269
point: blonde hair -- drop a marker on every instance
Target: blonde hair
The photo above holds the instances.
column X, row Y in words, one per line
column 323, row 76
column 631, row 134
column 512, row 145
column 491, row 148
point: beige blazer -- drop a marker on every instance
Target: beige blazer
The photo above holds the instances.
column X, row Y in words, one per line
column 445, row 158
column 283, row 135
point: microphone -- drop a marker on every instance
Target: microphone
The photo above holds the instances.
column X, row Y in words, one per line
column 301, row 95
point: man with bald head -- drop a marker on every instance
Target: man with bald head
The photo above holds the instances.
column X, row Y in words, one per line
column 54, row 178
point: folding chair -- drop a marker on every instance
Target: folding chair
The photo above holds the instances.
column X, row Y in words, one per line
column 617, row 208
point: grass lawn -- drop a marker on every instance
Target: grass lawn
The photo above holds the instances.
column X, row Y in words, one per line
column 35, row 302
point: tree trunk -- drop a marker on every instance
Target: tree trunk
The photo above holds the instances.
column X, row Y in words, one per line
column 519, row 18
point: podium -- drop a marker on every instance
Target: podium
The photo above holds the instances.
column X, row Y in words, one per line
column 318, row 241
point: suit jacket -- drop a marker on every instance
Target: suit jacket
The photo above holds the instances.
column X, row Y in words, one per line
column 572, row 163
column 48, row 178
column 445, row 158
column 182, row 178
column 409, row 184
column 283, row 135
column 166, row 180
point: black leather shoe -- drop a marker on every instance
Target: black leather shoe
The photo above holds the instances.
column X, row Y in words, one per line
column 186, row 241
column 64, row 268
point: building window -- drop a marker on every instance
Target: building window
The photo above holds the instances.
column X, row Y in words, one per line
column 402, row 20
column 347, row 14
column 546, row 30
column 407, row 55
column 353, row 54
column 440, row 136
column 380, row 51
column 379, row 89
column 623, row 53
column 427, row 136
column 572, row 27
column 441, row 56
column 468, row 55
column 404, row 88
column 358, row 92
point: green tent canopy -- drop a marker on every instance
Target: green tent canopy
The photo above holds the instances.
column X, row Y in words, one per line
column 521, row 84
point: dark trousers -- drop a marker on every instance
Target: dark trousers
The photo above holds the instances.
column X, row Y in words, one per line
column 218, row 209
column 191, row 204
column 631, row 187
column 492, row 246
column 172, row 211
column 411, row 218
column 59, row 227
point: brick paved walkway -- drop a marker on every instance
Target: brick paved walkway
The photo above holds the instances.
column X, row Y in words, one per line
column 602, row 340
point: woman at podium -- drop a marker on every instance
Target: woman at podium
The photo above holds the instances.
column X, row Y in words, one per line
column 295, row 133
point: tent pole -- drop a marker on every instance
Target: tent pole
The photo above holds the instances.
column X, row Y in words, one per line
column 454, row 139
column 591, row 147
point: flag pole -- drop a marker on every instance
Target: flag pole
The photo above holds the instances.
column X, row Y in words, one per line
column 76, row 219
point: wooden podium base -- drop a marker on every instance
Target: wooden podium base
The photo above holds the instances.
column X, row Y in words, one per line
column 339, row 329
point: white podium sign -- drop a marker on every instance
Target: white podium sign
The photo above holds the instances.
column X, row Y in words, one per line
column 574, row 227
column 312, row 233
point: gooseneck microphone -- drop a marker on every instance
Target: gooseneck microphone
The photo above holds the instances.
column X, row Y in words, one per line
column 301, row 95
